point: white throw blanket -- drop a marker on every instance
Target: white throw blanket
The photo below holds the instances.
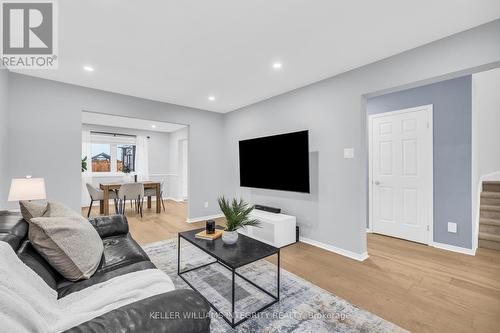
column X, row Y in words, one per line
column 28, row 304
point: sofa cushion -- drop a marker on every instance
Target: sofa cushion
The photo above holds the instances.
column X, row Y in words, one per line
column 121, row 255
column 31, row 258
column 70, row 244
column 120, row 251
column 65, row 287
column 112, row 225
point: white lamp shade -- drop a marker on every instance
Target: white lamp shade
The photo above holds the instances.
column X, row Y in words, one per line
column 27, row 189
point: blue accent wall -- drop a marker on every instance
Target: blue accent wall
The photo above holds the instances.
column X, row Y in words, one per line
column 452, row 108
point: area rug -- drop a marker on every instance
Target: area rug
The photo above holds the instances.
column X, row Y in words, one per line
column 303, row 306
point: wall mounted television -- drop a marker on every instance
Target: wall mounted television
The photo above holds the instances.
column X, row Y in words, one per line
column 278, row 162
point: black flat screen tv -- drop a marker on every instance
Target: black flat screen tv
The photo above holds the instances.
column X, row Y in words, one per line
column 278, row 162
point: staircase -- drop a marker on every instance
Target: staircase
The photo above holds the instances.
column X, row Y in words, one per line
column 489, row 222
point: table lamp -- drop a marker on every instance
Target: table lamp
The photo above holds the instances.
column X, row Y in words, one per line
column 27, row 189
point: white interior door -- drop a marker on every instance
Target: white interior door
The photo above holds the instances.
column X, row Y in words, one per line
column 401, row 174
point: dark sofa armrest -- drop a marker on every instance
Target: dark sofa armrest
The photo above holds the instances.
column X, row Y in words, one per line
column 112, row 225
column 178, row 311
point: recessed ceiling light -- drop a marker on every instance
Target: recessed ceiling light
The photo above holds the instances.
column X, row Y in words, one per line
column 277, row 65
column 211, row 98
column 88, row 68
column 153, row 126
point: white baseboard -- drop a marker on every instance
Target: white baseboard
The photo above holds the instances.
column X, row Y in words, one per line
column 204, row 218
column 153, row 199
column 111, row 202
column 171, row 198
column 338, row 250
column 463, row 250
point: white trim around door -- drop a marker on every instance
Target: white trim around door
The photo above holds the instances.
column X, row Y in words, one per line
column 404, row 126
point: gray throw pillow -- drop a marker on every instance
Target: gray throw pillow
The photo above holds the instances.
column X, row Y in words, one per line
column 67, row 241
column 30, row 209
column 57, row 209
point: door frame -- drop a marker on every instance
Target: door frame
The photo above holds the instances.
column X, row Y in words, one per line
column 430, row 118
column 180, row 163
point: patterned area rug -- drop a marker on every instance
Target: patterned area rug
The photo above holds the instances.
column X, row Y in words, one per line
column 303, row 306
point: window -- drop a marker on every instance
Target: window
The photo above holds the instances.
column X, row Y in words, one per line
column 125, row 158
column 101, row 157
column 117, row 157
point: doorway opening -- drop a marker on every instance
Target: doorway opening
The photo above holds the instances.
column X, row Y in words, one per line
column 117, row 150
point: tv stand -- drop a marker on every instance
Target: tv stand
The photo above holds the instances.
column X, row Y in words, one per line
column 275, row 229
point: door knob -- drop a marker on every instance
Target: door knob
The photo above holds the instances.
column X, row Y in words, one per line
column 377, row 182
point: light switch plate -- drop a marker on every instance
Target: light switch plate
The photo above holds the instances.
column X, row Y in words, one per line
column 452, row 227
column 348, row 152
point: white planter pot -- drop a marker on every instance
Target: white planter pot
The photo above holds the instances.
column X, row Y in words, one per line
column 128, row 178
column 230, row 237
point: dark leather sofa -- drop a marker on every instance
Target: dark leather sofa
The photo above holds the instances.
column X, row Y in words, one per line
column 121, row 255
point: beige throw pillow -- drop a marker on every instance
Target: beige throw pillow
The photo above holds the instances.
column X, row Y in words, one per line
column 67, row 241
column 30, row 209
column 57, row 209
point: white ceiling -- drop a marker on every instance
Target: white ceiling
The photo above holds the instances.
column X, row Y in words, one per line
column 183, row 51
column 93, row 118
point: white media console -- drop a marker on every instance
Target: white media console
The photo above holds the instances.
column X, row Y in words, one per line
column 275, row 229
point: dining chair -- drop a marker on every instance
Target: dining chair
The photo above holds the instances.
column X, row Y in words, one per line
column 97, row 194
column 131, row 191
column 151, row 192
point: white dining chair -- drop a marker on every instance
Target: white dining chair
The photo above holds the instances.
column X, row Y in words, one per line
column 132, row 191
column 97, row 194
column 151, row 192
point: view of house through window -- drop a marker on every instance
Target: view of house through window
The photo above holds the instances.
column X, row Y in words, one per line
column 111, row 156
column 101, row 157
column 125, row 158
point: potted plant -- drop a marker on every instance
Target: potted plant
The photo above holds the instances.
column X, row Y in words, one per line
column 237, row 216
column 84, row 164
column 127, row 177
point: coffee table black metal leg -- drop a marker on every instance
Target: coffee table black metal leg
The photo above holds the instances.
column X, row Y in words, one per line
column 232, row 299
column 278, row 297
column 178, row 254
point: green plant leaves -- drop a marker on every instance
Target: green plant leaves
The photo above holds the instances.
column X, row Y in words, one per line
column 237, row 213
column 84, row 164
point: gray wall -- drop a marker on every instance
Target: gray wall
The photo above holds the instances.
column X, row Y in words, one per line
column 452, row 114
column 334, row 112
column 45, row 136
column 4, row 175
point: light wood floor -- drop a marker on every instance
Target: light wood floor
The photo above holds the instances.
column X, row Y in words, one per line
column 420, row 288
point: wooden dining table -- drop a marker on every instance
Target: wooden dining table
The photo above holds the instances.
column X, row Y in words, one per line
column 106, row 187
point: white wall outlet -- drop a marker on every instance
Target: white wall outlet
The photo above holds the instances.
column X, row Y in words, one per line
column 206, row 204
column 348, row 152
column 452, row 227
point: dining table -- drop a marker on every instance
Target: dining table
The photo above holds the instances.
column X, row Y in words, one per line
column 107, row 187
